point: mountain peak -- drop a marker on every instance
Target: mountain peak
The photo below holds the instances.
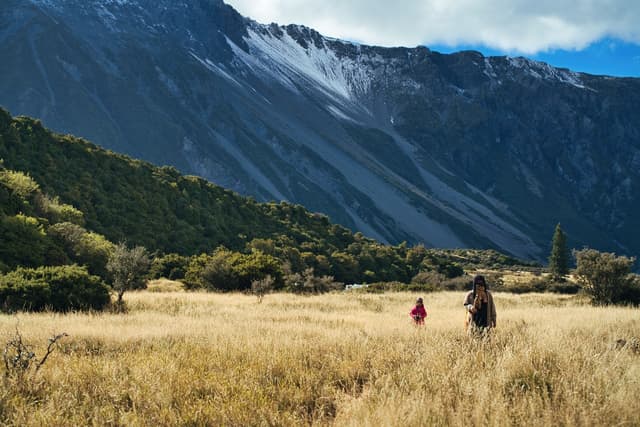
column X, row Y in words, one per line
column 452, row 150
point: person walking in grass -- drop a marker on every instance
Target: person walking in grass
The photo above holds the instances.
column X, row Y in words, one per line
column 481, row 311
column 418, row 313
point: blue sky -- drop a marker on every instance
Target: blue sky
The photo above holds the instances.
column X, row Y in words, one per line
column 593, row 36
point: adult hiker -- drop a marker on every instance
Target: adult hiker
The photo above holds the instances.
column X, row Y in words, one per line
column 418, row 313
column 480, row 307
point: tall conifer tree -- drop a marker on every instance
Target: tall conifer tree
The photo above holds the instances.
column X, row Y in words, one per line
column 559, row 258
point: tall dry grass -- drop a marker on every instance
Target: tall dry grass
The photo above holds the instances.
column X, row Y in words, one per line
column 343, row 359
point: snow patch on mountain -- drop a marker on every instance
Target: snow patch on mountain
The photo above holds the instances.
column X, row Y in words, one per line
column 339, row 114
column 216, row 69
column 285, row 60
column 489, row 71
column 542, row 70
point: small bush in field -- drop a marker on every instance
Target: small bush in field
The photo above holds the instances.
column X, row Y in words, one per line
column 631, row 293
column 564, row 287
column 429, row 279
column 226, row 270
column 19, row 359
column 309, row 283
column 62, row 288
column 432, row 281
column 605, row 277
column 261, row 287
column 460, row 283
column 534, row 285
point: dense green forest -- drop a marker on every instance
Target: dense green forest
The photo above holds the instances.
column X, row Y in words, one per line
column 66, row 201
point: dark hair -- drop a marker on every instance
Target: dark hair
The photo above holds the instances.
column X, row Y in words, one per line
column 479, row 280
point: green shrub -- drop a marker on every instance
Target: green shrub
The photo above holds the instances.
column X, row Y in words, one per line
column 83, row 247
column 24, row 241
column 540, row 284
column 55, row 211
column 432, row 280
column 257, row 266
column 308, row 283
column 441, row 265
column 226, row 270
column 428, row 278
column 631, row 293
column 534, row 285
column 459, row 283
column 193, row 278
column 399, row 287
column 565, row 287
column 63, row 288
column 605, row 277
column 170, row 266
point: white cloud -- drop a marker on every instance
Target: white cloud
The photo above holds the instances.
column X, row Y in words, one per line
column 523, row 26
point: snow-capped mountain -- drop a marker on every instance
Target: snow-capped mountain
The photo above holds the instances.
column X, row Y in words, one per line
column 400, row 143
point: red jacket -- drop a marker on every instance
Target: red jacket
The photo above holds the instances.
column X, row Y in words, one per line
column 418, row 310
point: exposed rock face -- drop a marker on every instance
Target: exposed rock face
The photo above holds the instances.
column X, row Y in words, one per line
column 402, row 144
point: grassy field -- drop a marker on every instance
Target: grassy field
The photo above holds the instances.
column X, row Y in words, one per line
column 347, row 359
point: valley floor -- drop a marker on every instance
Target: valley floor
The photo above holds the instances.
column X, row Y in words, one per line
column 180, row 358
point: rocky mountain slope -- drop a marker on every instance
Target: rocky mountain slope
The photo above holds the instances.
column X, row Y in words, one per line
column 409, row 144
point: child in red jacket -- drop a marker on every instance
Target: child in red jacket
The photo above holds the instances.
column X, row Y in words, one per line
column 418, row 313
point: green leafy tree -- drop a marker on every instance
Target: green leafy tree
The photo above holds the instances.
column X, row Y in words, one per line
column 128, row 269
column 218, row 271
column 257, row 266
column 193, row 277
column 226, row 270
column 559, row 258
column 604, row 276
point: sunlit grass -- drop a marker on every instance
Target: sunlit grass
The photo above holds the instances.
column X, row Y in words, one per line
column 180, row 358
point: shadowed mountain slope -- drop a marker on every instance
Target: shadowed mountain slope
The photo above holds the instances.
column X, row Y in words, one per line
column 453, row 150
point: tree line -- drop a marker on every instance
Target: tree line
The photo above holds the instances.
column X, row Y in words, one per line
column 73, row 214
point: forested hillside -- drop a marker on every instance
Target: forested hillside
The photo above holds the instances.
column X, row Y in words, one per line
column 123, row 198
column 65, row 200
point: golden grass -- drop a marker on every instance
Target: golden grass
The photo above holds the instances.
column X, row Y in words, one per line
column 337, row 359
column 164, row 285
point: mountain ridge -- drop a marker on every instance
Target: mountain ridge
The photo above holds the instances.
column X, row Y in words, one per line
column 393, row 142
